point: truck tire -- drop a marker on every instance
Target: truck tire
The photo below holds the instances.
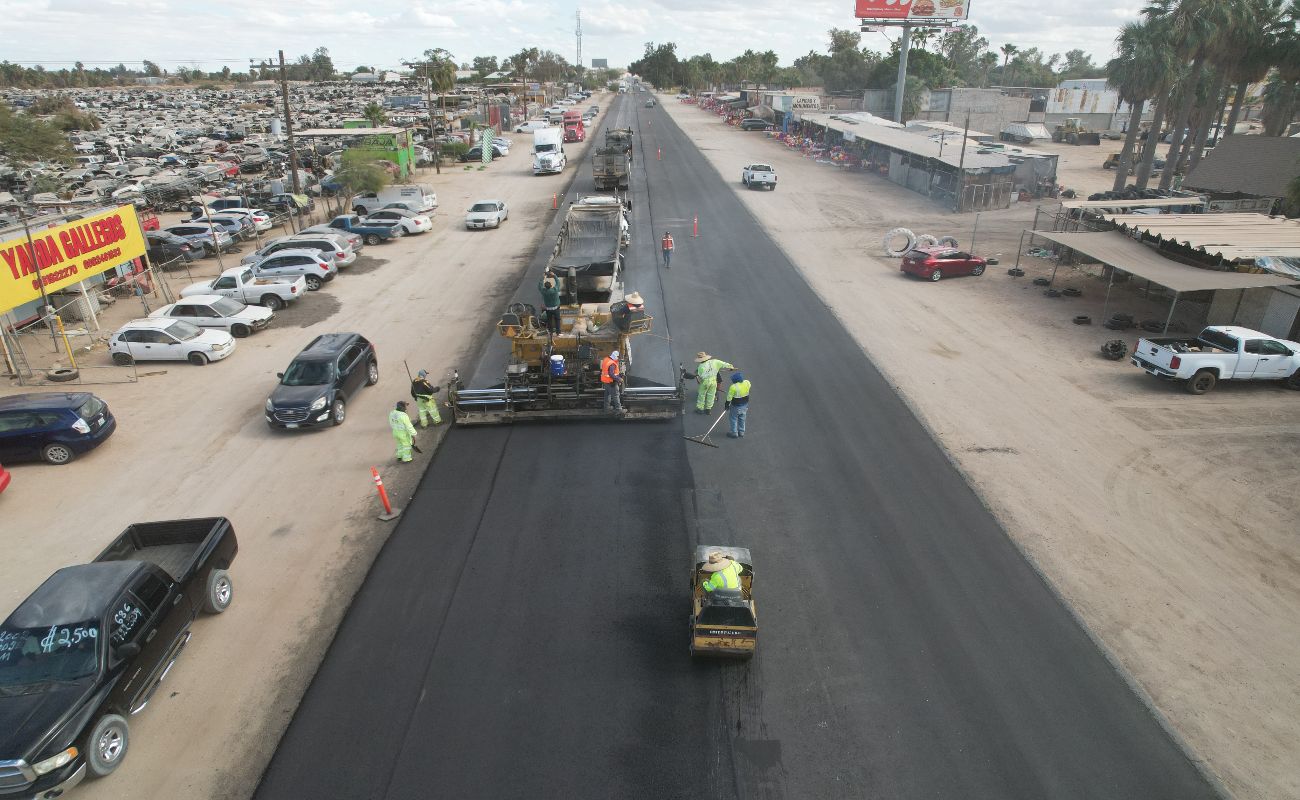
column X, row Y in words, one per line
column 1293, row 382
column 372, row 239
column 106, row 745
column 360, row 211
column 218, row 592
column 271, row 301
column 313, row 282
column 372, row 373
column 893, row 247
column 338, row 411
column 1202, row 382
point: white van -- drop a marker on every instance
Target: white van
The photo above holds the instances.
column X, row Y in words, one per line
column 416, row 197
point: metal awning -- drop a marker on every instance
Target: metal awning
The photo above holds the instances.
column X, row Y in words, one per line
column 1128, row 255
column 1230, row 236
column 1155, row 202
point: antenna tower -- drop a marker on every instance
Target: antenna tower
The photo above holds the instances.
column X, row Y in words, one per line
column 577, row 31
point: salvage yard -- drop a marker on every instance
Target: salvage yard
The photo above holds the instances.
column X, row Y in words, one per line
column 1166, row 520
column 192, row 441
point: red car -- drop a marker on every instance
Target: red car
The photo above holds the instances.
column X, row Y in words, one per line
column 934, row 263
column 4, row 478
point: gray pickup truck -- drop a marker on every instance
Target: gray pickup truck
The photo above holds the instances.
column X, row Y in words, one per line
column 92, row 644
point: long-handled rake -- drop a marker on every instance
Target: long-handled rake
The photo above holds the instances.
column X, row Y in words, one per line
column 704, row 439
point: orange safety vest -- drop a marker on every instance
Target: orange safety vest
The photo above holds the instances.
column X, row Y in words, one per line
column 668, row 243
column 605, row 364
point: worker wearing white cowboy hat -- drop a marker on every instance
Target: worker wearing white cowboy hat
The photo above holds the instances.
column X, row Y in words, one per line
column 724, row 573
column 706, row 372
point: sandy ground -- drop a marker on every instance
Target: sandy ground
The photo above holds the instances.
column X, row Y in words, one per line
column 191, row 441
column 1167, row 521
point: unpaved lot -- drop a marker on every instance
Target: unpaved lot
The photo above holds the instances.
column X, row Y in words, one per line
column 1167, row 521
column 191, row 441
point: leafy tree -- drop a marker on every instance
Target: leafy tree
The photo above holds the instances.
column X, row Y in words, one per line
column 24, row 138
column 1078, row 64
column 485, row 65
column 151, row 70
column 321, row 66
column 359, row 173
column 1138, row 73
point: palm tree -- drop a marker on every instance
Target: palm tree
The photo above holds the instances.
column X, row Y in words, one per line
column 1257, row 42
column 1137, row 74
column 1194, row 26
column 374, row 113
column 1008, row 50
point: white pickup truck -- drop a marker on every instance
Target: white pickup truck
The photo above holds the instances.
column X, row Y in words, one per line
column 760, row 175
column 243, row 284
column 1220, row 353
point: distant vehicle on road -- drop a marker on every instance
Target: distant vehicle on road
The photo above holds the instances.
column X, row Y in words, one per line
column 1219, row 353
column 410, row 222
column 760, row 175
column 937, row 263
column 168, row 340
column 91, row 646
column 320, row 381
column 755, row 124
column 218, row 312
column 531, row 125
column 54, row 427
column 486, row 214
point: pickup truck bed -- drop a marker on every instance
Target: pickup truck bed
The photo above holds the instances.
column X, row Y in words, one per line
column 176, row 546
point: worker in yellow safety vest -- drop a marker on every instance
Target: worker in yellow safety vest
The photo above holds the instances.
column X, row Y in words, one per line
column 725, row 574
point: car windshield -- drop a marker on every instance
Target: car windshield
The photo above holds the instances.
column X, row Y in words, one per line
column 485, row 207
column 227, row 307
column 307, row 373
column 183, row 330
column 40, row 655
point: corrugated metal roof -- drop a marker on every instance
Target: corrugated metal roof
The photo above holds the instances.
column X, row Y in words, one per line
column 1256, row 165
column 1231, row 236
column 1131, row 256
column 920, row 145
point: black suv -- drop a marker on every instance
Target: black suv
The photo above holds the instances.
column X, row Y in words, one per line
column 755, row 124
column 316, row 387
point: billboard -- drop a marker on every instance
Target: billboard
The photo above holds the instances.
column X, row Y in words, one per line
column 600, row 63
column 67, row 254
column 913, row 9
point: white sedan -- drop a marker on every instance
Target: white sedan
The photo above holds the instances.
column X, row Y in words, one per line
column 486, row 214
column 219, row 312
column 168, row 340
column 411, row 223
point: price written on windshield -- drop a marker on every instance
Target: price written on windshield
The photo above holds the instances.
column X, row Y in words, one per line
column 67, row 637
column 124, row 621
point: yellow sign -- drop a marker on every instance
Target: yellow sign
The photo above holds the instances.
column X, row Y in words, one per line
column 66, row 254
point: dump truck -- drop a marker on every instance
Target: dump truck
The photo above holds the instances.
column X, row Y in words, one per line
column 611, row 167
column 550, row 375
column 620, row 137
column 1073, row 131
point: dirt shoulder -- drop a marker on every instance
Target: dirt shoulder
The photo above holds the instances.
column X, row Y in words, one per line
column 191, row 441
column 1166, row 521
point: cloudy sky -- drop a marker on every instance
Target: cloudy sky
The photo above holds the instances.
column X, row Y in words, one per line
column 230, row 32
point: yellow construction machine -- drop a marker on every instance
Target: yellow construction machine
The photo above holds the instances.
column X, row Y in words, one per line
column 1073, row 131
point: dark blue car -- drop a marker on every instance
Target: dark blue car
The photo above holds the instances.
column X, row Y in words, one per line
column 55, row 427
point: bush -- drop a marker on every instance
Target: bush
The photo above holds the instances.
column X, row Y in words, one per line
column 454, row 149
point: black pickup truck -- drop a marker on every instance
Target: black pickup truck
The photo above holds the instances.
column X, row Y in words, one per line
column 91, row 645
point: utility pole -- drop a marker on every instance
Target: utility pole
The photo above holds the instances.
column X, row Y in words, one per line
column 288, row 126
column 904, row 45
column 428, row 102
column 578, row 33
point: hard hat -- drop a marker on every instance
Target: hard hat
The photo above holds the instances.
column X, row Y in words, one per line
column 614, row 355
column 401, row 405
column 423, row 373
column 736, row 377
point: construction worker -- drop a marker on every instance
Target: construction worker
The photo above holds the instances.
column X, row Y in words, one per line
column 724, row 574
column 423, row 392
column 667, row 245
column 706, row 372
column 610, row 378
column 403, row 431
column 550, row 289
column 737, row 405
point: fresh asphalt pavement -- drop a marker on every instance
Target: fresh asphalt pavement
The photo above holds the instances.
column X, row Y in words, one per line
column 523, row 632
